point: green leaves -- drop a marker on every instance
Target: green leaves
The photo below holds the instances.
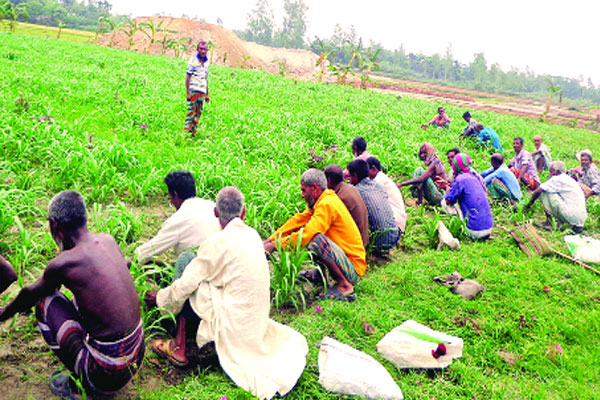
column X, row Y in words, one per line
column 287, row 264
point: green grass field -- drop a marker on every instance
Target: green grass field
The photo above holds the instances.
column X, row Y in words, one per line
column 109, row 124
column 70, row 35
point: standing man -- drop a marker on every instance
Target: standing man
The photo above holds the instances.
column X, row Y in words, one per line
column 523, row 167
column 196, row 85
column 98, row 336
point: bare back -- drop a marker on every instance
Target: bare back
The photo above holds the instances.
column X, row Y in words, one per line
column 97, row 274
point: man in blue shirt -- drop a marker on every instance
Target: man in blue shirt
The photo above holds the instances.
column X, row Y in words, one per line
column 487, row 134
column 500, row 181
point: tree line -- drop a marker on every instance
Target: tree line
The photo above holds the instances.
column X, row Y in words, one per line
column 83, row 15
column 347, row 53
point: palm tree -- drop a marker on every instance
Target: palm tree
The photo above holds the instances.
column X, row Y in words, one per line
column 101, row 27
column 324, row 56
column 13, row 13
column 356, row 57
column 553, row 90
column 152, row 30
column 61, row 25
column 130, row 29
column 371, row 64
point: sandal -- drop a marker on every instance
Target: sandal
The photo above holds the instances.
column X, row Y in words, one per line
column 314, row 276
column 163, row 348
column 60, row 385
column 333, row 293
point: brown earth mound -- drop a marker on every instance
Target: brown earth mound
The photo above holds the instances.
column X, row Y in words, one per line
column 228, row 49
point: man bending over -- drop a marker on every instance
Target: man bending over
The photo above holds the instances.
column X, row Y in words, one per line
column 98, row 336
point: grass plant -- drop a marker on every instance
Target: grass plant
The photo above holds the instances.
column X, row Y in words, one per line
column 108, row 123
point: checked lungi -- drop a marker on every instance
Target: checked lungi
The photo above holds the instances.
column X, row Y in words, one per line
column 195, row 106
column 327, row 250
column 498, row 190
column 103, row 367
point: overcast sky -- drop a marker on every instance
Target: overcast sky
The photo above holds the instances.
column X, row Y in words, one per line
column 554, row 37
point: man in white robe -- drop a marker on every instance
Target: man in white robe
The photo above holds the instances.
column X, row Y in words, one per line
column 227, row 286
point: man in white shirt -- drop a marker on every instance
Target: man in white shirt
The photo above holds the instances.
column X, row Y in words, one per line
column 196, row 86
column 562, row 198
column 193, row 222
column 394, row 196
column 227, row 287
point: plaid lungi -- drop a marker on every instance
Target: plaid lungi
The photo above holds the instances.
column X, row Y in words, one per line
column 103, row 367
column 498, row 190
column 327, row 250
column 195, row 105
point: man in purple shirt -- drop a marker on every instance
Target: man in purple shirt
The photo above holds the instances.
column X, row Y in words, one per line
column 469, row 192
column 523, row 166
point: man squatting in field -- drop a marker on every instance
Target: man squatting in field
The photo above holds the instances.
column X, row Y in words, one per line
column 98, row 336
column 329, row 232
column 196, row 85
column 192, row 223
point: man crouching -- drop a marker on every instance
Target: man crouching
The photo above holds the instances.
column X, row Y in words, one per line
column 98, row 336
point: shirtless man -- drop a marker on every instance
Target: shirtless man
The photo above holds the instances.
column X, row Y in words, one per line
column 7, row 274
column 100, row 337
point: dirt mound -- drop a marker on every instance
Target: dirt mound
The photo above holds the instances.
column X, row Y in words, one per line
column 226, row 49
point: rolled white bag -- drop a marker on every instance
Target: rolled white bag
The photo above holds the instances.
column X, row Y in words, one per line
column 345, row 370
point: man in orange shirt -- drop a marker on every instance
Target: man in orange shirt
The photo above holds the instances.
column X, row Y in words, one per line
column 329, row 232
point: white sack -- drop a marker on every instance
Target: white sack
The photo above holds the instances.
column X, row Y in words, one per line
column 584, row 248
column 345, row 370
column 446, row 238
column 410, row 345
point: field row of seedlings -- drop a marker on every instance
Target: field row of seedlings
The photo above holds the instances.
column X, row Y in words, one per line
column 108, row 123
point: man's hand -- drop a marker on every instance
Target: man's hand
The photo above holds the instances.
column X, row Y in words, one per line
column 150, row 299
column 207, row 99
column 269, row 246
column 189, row 96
